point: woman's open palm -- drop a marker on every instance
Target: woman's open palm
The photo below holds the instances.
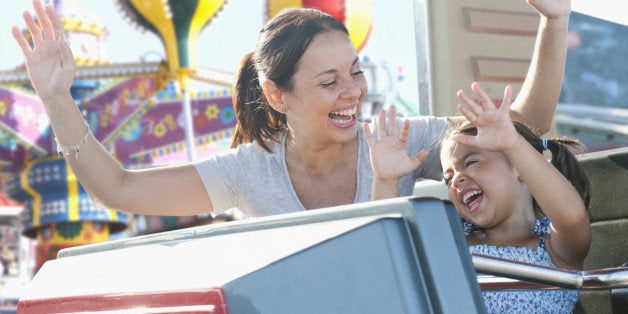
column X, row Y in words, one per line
column 389, row 156
column 49, row 61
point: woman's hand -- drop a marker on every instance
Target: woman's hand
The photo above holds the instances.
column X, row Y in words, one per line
column 389, row 156
column 496, row 131
column 551, row 8
column 50, row 63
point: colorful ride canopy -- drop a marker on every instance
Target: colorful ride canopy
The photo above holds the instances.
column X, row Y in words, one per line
column 356, row 15
column 177, row 23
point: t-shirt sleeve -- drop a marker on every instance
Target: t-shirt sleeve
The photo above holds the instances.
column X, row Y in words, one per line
column 217, row 188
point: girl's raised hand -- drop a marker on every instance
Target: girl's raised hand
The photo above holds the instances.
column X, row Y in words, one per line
column 496, row 131
column 389, row 156
column 49, row 61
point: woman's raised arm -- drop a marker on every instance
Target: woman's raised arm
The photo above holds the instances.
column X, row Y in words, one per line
column 51, row 68
column 536, row 101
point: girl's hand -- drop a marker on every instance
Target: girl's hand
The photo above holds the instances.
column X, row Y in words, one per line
column 389, row 156
column 496, row 131
column 50, row 63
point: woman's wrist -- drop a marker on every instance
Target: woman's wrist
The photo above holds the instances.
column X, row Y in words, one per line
column 383, row 189
column 56, row 102
column 555, row 22
column 386, row 182
column 54, row 97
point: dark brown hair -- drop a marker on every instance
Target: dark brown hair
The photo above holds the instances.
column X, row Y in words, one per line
column 282, row 42
column 562, row 156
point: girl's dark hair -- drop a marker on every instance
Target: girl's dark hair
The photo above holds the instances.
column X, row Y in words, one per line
column 282, row 42
column 562, row 157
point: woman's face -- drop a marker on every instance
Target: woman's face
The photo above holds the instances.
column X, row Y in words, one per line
column 329, row 87
column 483, row 185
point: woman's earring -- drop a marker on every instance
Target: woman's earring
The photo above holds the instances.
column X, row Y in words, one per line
column 283, row 110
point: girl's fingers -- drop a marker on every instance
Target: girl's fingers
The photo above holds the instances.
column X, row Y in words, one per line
column 470, row 104
column 468, row 114
column 468, row 140
column 487, row 102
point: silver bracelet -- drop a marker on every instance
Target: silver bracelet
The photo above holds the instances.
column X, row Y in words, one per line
column 65, row 150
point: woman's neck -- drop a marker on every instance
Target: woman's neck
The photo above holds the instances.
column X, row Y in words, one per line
column 324, row 175
column 317, row 157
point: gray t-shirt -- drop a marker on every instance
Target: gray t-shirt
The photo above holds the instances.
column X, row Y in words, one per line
column 257, row 183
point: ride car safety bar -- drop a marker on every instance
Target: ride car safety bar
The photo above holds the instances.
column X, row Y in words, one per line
column 499, row 274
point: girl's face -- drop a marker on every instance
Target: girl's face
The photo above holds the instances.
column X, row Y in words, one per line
column 329, row 87
column 483, row 185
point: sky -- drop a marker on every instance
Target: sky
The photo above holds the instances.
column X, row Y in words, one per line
column 233, row 32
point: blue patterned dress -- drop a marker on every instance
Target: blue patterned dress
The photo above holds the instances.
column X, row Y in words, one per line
column 525, row 301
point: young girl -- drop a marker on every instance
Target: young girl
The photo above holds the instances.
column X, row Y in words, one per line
column 515, row 204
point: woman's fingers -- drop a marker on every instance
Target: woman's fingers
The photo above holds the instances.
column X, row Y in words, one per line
column 392, row 122
column 386, row 126
column 33, row 28
column 368, row 134
column 421, row 156
column 55, row 22
column 507, row 98
column 44, row 21
column 405, row 131
column 21, row 41
column 48, row 24
column 381, row 124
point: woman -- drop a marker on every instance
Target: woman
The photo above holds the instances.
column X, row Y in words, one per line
column 298, row 144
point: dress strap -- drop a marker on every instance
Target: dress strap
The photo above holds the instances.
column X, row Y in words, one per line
column 467, row 227
column 542, row 230
column 542, row 227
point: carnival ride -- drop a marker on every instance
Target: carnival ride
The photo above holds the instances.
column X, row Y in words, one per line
column 122, row 110
column 145, row 113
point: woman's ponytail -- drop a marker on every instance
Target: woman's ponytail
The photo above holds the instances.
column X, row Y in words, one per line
column 256, row 120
